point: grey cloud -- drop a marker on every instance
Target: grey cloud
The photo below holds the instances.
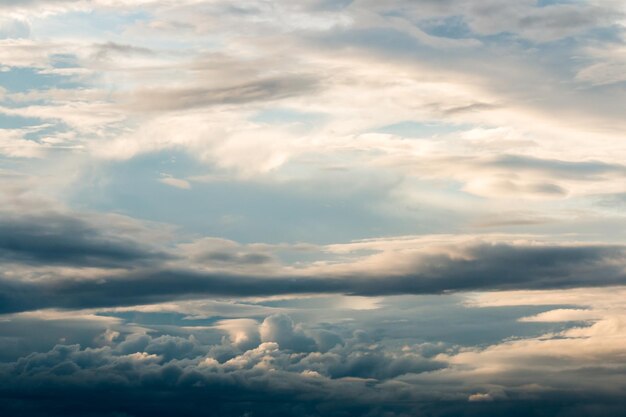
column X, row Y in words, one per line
column 327, row 340
column 512, row 218
column 31, row 334
column 529, row 20
column 512, row 174
column 170, row 347
column 329, row 4
column 368, row 362
column 161, row 99
column 617, row 200
column 479, row 267
column 533, row 188
column 53, row 239
column 246, row 259
column 526, row 19
column 106, row 50
column 580, row 170
column 29, row 3
column 466, row 108
column 14, row 28
column 536, row 23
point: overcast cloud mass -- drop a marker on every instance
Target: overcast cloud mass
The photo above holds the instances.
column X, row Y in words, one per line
column 316, row 208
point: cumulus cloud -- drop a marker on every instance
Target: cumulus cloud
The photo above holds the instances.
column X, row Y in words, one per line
column 356, row 376
column 141, row 363
column 280, row 329
column 243, row 333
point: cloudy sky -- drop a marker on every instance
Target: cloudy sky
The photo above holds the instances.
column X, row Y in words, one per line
column 312, row 208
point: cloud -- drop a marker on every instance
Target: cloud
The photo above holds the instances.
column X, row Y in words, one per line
column 264, row 90
column 280, row 329
column 542, row 24
column 106, row 50
column 497, row 175
column 175, row 182
column 153, row 375
column 40, row 331
column 317, row 121
column 586, row 170
column 26, row 53
column 480, row 397
column 478, row 266
column 243, row 333
column 57, row 239
column 14, row 28
column 237, row 381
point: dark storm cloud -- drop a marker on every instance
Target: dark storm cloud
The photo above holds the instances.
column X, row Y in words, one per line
column 481, row 267
column 65, row 240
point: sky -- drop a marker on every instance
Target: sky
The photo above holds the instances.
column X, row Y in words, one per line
column 327, row 208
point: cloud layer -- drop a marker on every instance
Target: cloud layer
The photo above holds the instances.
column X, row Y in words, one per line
column 313, row 208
